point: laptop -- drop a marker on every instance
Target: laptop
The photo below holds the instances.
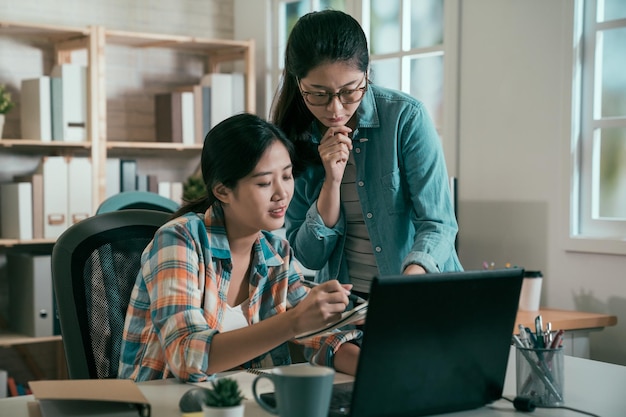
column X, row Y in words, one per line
column 432, row 344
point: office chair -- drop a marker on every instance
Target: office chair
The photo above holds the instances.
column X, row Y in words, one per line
column 94, row 266
column 137, row 200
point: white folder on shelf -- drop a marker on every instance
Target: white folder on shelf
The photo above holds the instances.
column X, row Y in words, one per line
column 74, row 98
column 35, row 114
column 16, row 209
column 79, row 189
column 55, row 191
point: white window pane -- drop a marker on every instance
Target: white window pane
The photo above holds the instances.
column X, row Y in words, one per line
column 612, row 175
column 333, row 4
column 612, row 46
column 385, row 34
column 426, row 23
column 386, row 73
column 427, row 84
column 293, row 11
column 611, row 10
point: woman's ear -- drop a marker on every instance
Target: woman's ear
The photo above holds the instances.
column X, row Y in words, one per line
column 222, row 193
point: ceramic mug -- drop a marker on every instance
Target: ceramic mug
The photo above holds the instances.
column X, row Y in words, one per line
column 300, row 391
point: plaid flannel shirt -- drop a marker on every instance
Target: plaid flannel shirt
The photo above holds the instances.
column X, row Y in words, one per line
column 179, row 300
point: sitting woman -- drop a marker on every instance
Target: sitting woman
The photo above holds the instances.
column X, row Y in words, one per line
column 216, row 291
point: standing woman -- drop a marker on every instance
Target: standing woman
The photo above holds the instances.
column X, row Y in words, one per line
column 372, row 194
column 215, row 290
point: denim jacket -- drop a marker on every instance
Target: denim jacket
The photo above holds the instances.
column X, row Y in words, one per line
column 403, row 187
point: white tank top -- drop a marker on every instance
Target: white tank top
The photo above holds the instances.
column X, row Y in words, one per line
column 234, row 317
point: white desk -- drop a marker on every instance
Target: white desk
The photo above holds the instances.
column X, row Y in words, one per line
column 589, row 385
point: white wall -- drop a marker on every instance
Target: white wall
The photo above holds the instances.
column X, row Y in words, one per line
column 515, row 64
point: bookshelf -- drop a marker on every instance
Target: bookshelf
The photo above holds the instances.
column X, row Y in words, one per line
column 101, row 50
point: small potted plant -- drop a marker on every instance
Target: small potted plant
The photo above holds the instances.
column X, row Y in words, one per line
column 6, row 104
column 223, row 399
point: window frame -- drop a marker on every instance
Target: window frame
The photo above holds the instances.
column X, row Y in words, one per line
column 580, row 154
column 448, row 130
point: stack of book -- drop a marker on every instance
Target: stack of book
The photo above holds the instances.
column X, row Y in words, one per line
column 187, row 114
column 124, row 175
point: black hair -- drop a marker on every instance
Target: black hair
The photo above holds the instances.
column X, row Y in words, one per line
column 326, row 36
column 231, row 151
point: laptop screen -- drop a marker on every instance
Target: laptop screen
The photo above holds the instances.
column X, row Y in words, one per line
column 436, row 343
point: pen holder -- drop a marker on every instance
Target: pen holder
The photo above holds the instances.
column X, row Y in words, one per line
column 540, row 375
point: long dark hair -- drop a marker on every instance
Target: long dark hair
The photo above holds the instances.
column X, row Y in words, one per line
column 231, row 151
column 319, row 37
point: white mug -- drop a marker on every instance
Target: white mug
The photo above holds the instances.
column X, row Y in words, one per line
column 530, row 296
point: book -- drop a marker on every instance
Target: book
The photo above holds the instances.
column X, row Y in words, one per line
column 113, row 177
column 221, row 96
column 358, row 313
column 16, row 210
column 176, row 192
column 73, row 101
column 128, row 175
column 90, row 397
column 168, row 117
column 187, row 117
column 35, row 114
column 11, row 386
column 4, row 387
column 56, row 108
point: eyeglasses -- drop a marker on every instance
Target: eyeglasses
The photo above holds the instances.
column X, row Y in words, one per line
column 344, row 96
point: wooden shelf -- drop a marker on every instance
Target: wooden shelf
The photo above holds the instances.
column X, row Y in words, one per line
column 38, row 147
column 48, row 33
column 161, row 149
column 13, row 339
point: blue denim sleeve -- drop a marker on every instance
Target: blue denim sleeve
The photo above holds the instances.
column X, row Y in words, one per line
column 426, row 173
column 312, row 241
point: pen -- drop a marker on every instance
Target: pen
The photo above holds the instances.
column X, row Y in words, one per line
column 539, row 332
column 531, row 338
column 558, row 338
column 523, row 335
column 354, row 298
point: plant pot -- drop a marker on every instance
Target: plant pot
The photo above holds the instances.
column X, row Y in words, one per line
column 1, row 124
column 235, row 411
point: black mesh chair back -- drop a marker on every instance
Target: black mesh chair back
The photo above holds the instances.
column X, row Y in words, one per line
column 94, row 266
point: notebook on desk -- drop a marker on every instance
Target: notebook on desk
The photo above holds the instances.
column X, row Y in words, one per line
column 434, row 343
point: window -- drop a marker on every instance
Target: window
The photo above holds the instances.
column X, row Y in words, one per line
column 407, row 48
column 599, row 174
column 408, row 41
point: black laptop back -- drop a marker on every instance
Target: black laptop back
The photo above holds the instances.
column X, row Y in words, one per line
column 435, row 343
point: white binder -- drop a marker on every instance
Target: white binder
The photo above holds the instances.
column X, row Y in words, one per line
column 55, row 191
column 79, row 195
column 16, row 209
column 74, row 97
column 35, row 114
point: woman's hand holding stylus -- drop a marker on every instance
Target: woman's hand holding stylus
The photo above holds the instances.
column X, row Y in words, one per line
column 324, row 304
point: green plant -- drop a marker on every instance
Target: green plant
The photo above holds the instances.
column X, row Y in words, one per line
column 224, row 393
column 6, row 103
column 193, row 188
